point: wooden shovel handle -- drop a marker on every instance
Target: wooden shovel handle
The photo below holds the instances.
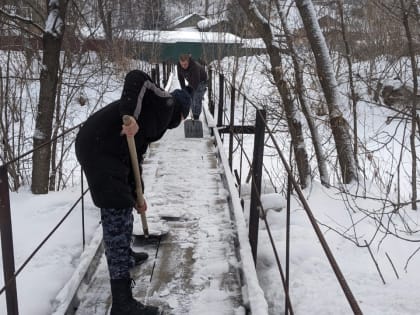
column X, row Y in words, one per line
column 137, row 176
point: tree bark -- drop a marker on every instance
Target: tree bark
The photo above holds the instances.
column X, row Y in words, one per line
column 52, row 40
column 339, row 125
column 295, row 126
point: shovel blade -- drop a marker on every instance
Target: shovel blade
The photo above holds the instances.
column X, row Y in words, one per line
column 193, row 129
column 141, row 240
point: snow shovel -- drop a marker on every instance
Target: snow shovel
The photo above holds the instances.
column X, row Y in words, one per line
column 193, row 128
column 139, row 188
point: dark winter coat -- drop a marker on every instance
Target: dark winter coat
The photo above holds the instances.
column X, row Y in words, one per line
column 102, row 150
column 194, row 74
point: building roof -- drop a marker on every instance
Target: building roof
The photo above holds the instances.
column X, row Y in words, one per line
column 181, row 36
column 183, row 19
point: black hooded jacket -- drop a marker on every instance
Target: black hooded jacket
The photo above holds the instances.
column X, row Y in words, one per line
column 103, row 151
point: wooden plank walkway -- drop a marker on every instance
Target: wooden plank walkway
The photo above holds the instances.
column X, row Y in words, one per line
column 195, row 270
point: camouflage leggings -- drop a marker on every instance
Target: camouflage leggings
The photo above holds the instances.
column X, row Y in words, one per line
column 117, row 226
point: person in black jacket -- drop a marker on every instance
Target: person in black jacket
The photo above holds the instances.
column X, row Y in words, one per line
column 102, row 151
column 190, row 70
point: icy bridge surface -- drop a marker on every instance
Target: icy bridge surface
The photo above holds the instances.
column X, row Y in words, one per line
column 194, row 269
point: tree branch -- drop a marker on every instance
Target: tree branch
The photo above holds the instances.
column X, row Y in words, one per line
column 22, row 19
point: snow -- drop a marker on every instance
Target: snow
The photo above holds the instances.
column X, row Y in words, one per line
column 38, row 134
column 252, row 291
column 273, row 201
column 181, row 19
column 182, row 35
column 253, row 43
column 66, row 294
column 54, row 24
column 50, row 277
column 314, row 288
column 33, row 216
column 186, row 34
column 207, row 23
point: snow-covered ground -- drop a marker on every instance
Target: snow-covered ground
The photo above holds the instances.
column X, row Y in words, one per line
column 349, row 222
column 33, row 217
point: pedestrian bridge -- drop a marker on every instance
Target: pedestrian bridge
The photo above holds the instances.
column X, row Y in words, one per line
column 201, row 266
column 204, row 264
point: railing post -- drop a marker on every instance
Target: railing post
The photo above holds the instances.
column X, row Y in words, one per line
column 168, row 71
column 257, row 163
column 221, row 100
column 164, row 75
column 210, row 92
column 231, row 125
column 7, row 244
column 286, row 285
column 83, row 208
column 153, row 75
column 157, row 75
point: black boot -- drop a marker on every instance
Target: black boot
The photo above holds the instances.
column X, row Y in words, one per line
column 138, row 258
column 123, row 302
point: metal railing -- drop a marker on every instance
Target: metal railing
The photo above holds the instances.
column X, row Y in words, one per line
column 226, row 125
column 6, row 232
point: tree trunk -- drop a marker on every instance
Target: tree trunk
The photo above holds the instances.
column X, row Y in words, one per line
column 105, row 14
column 52, row 40
column 416, row 6
column 339, row 125
column 206, row 8
column 354, row 96
column 295, row 126
column 300, row 90
column 405, row 18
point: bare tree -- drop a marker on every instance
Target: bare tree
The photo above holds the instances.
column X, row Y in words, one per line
column 206, row 8
column 105, row 9
column 301, row 92
column 262, row 26
column 339, row 125
column 153, row 14
column 8, row 150
column 14, row 20
column 405, row 11
column 347, row 57
column 52, row 40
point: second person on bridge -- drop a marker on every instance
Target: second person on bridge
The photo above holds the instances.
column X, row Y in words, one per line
column 195, row 74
